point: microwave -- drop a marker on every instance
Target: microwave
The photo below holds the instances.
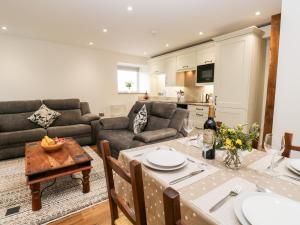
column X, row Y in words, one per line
column 205, row 73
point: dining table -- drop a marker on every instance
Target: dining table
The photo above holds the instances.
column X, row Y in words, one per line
column 200, row 192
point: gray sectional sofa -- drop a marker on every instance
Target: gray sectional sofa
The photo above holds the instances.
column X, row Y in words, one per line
column 75, row 121
column 165, row 122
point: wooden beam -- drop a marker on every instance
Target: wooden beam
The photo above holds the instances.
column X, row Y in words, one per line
column 274, row 48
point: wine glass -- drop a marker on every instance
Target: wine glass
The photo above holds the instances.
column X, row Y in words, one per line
column 188, row 126
column 273, row 147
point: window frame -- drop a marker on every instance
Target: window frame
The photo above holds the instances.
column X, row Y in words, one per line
column 134, row 68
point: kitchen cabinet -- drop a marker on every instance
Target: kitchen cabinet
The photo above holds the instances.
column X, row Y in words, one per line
column 238, row 76
column 170, row 71
column 157, row 67
column 186, row 62
column 206, row 56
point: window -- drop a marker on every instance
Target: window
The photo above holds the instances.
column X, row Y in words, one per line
column 132, row 79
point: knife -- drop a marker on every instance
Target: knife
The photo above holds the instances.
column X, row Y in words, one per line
column 186, row 177
column 277, row 162
column 292, row 177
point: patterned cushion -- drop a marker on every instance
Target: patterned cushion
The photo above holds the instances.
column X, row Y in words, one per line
column 140, row 120
column 44, row 116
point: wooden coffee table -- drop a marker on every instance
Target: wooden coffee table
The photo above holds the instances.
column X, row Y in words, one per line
column 41, row 166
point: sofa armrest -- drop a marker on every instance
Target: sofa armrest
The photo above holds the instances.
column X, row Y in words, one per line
column 155, row 135
column 89, row 117
column 116, row 123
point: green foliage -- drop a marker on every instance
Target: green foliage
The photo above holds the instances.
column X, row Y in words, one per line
column 240, row 137
column 128, row 84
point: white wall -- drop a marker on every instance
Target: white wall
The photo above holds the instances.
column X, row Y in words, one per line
column 33, row 69
column 287, row 101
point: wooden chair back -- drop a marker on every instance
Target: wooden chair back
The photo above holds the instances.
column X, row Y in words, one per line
column 288, row 138
column 138, row 217
column 171, row 200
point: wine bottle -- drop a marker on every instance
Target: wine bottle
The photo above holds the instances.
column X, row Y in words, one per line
column 209, row 135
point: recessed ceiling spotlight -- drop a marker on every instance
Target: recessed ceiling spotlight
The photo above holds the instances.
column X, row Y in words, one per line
column 104, row 30
column 129, row 8
column 167, row 45
column 257, row 13
column 200, row 33
column 145, row 53
column 91, row 43
column 4, row 28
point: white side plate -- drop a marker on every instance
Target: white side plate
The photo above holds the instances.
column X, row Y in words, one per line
column 270, row 209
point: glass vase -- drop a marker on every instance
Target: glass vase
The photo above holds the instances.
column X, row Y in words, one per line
column 233, row 159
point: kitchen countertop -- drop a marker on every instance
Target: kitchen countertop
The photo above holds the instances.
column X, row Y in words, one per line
column 185, row 102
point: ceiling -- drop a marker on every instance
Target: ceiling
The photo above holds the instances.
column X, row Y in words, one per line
column 176, row 22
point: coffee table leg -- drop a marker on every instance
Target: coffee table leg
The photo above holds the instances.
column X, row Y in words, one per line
column 86, row 181
column 36, row 196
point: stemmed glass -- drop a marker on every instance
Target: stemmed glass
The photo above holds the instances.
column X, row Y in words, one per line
column 273, row 147
column 188, row 126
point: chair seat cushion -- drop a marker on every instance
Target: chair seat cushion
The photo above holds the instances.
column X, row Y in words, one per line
column 69, row 131
column 118, row 139
column 16, row 137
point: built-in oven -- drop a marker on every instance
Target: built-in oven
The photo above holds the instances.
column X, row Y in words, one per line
column 205, row 73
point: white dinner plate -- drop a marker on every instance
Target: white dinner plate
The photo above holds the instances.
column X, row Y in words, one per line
column 166, row 158
column 271, row 209
column 295, row 163
column 237, row 206
column 293, row 169
column 152, row 166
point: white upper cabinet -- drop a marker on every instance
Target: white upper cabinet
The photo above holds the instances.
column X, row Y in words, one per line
column 238, row 76
column 170, row 71
column 157, row 67
column 206, row 56
column 186, row 61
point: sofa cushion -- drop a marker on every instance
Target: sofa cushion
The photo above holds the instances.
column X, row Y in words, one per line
column 19, row 106
column 68, row 117
column 69, row 131
column 44, row 116
column 163, row 110
column 156, row 123
column 140, row 120
column 16, row 121
column 114, row 123
column 118, row 139
column 178, row 117
column 62, row 104
column 15, row 137
column 155, row 135
column 135, row 109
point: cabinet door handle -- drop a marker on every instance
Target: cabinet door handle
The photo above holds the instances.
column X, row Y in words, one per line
column 200, row 109
column 208, row 61
column 199, row 114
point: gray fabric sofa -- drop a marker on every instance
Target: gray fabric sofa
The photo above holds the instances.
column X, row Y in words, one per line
column 75, row 121
column 165, row 122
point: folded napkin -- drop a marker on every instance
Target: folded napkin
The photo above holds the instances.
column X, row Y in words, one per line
column 165, row 177
column 191, row 141
column 225, row 214
column 282, row 169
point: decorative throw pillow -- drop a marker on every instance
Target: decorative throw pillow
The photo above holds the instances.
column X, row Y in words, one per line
column 140, row 120
column 44, row 116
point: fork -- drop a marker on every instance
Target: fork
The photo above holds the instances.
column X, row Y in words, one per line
column 234, row 192
column 140, row 154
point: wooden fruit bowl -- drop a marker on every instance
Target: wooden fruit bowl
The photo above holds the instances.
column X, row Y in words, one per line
column 53, row 148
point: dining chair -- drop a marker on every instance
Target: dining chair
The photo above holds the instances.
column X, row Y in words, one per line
column 171, row 200
column 288, row 138
column 134, row 178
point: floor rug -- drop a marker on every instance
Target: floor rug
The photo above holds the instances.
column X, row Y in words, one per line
column 59, row 200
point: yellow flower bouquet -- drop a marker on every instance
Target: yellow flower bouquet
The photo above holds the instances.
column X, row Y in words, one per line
column 235, row 140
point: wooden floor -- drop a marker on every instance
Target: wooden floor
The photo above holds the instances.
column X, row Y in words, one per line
column 96, row 215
